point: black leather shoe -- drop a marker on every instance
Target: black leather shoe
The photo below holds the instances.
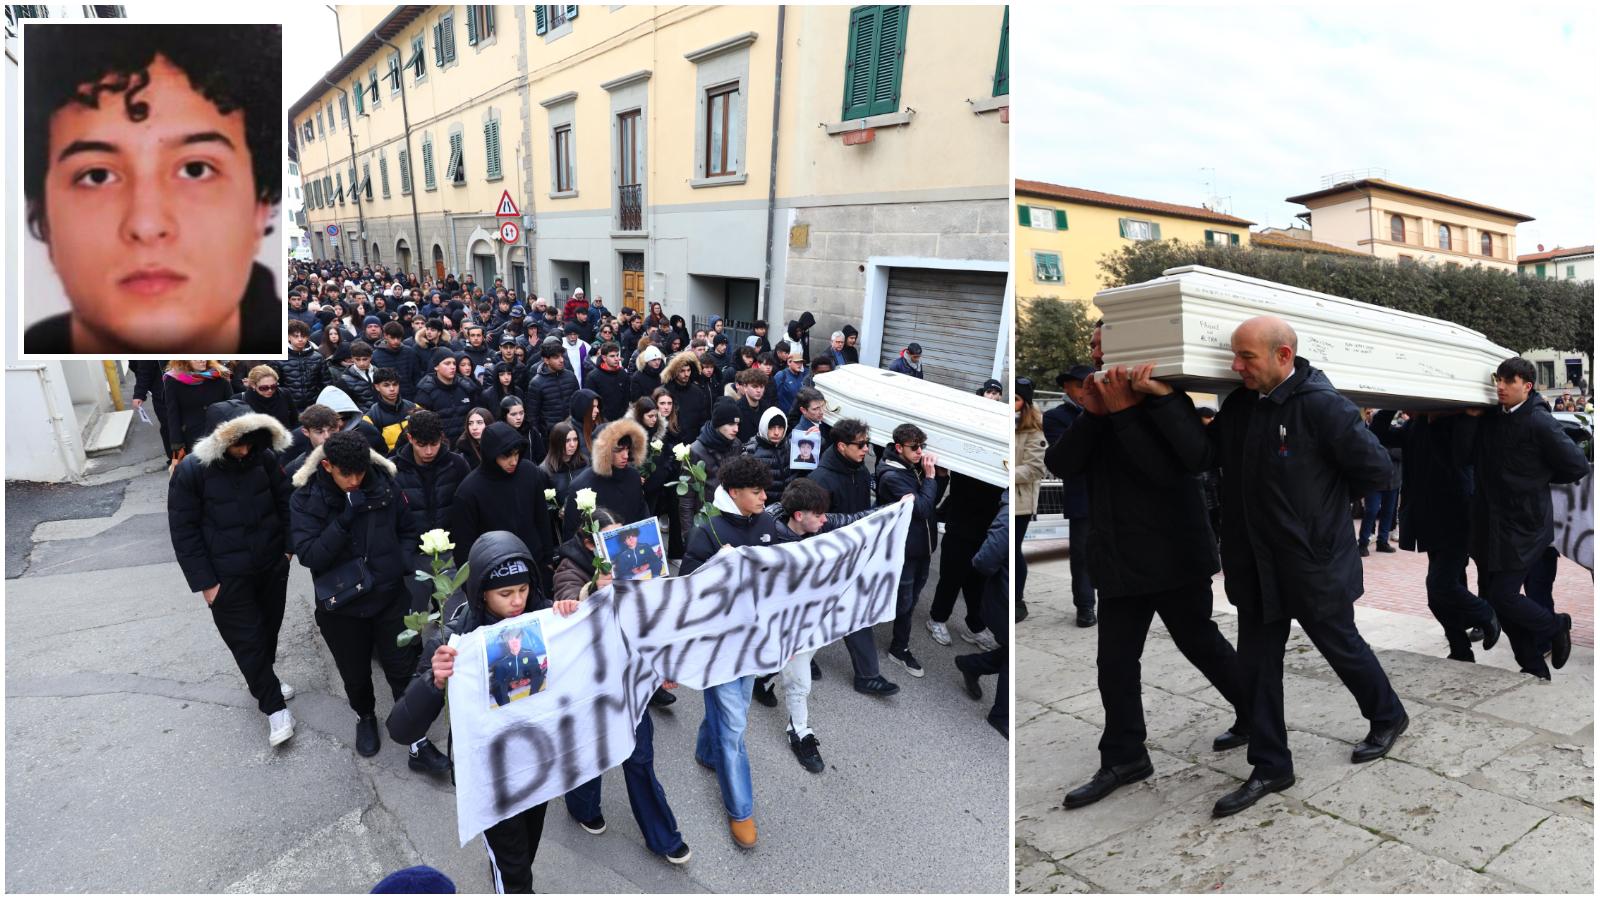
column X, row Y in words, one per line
column 663, row 697
column 1247, row 794
column 1474, row 635
column 428, row 759
column 1463, row 657
column 1236, row 736
column 1491, row 633
column 1086, row 618
column 763, row 692
column 1385, row 548
column 367, row 735
column 1561, row 644
column 816, row 670
column 1378, row 743
column 1364, row 552
column 1107, row 780
column 974, row 689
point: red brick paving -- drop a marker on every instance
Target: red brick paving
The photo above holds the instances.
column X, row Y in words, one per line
column 1394, row 582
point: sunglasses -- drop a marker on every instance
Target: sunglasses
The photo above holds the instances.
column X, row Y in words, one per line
column 913, row 447
column 266, row 388
column 858, row 444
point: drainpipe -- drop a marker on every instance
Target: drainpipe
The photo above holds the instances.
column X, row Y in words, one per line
column 772, row 178
column 405, row 118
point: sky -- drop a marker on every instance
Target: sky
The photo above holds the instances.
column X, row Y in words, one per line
column 1490, row 105
column 310, row 49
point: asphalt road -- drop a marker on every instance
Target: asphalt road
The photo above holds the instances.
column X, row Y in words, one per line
column 136, row 760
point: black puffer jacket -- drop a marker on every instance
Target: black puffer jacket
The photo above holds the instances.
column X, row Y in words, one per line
column 1290, row 464
column 359, row 389
column 417, row 709
column 490, row 499
column 277, row 407
column 776, row 456
column 549, row 395
column 1515, row 457
column 1148, row 528
column 404, row 362
column 730, row 529
column 229, row 518
column 619, row 490
column 451, row 401
column 894, row 479
column 611, row 388
column 849, row 485
column 430, row 489
column 302, row 376
column 326, row 529
column 712, row 450
column 692, row 400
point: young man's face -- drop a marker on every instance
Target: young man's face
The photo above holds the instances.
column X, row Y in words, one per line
column 621, row 455
column 393, row 341
column 682, row 375
column 362, row 362
column 1511, row 391
column 388, row 390
column 316, row 435
column 796, row 365
column 754, row 392
column 374, row 332
column 556, row 363
column 807, row 522
column 750, row 500
column 155, row 223
column 508, row 603
column 445, row 371
column 631, row 541
column 855, row 451
column 298, row 340
column 613, row 360
column 910, row 452
column 814, row 410
column 345, row 481
column 424, row 453
column 765, row 367
column 730, row 430
column 508, row 463
column 775, row 432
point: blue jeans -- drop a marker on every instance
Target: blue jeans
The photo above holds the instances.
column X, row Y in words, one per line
column 645, row 794
column 1380, row 512
column 720, row 744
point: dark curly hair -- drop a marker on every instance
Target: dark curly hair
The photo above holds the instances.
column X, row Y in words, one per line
column 233, row 66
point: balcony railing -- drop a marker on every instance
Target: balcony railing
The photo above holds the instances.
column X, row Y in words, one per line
column 629, row 204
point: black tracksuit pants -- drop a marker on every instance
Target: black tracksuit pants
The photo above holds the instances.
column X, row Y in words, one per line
column 248, row 613
column 1529, row 624
column 513, row 843
column 351, row 640
column 997, row 617
column 1456, row 608
column 1124, row 624
column 1261, row 646
column 957, row 576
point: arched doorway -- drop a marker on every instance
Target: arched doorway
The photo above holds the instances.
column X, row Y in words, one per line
column 484, row 269
column 438, row 263
column 377, row 254
column 402, row 251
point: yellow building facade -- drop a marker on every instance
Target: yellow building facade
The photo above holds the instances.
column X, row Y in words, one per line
column 1062, row 233
column 1405, row 224
column 737, row 161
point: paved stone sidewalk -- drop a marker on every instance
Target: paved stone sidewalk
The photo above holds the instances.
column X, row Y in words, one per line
column 1491, row 790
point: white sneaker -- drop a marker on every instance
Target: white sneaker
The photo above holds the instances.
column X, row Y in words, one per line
column 983, row 639
column 282, row 724
column 941, row 634
column 286, row 689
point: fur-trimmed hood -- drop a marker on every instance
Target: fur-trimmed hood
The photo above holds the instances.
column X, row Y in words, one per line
column 686, row 358
column 215, row 445
column 307, row 469
column 610, row 436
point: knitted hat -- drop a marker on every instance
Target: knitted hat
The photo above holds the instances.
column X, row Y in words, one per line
column 416, row 880
column 726, row 412
column 513, row 571
column 371, row 320
column 848, row 330
column 1025, row 389
column 442, row 354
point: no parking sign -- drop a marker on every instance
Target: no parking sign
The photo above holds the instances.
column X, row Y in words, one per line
column 333, row 231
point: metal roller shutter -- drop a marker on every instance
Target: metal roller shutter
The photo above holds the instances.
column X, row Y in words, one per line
column 955, row 316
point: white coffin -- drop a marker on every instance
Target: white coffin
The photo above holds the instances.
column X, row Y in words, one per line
column 971, row 435
column 1377, row 357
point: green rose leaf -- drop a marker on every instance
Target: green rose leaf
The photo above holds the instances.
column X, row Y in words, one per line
column 405, row 637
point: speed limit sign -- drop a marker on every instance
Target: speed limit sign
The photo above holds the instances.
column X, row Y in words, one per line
column 509, row 232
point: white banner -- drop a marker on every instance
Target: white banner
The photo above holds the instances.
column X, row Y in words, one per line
column 1574, row 519
column 540, row 704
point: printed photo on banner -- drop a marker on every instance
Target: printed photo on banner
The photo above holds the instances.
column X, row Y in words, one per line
column 635, row 551
column 517, row 663
column 805, row 446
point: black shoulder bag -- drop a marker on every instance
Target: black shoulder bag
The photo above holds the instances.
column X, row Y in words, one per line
column 347, row 582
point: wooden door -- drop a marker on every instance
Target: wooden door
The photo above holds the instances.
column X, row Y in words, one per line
column 633, row 291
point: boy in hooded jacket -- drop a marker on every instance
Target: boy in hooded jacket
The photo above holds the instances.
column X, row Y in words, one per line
column 505, row 493
column 908, row 468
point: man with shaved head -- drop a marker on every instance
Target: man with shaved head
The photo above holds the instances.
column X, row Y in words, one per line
column 1292, row 452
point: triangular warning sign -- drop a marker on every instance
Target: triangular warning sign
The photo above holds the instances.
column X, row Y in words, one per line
column 507, row 208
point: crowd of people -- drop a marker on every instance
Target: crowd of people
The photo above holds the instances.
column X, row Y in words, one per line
column 1160, row 496
column 404, row 407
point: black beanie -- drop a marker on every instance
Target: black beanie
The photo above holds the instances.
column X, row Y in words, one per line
column 513, row 571
column 442, row 354
column 725, row 412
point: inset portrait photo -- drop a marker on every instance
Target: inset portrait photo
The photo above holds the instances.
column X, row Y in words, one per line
column 805, row 447
column 518, row 663
column 152, row 172
column 635, row 551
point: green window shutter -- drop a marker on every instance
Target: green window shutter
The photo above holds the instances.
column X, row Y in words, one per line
column 1122, row 227
column 888, row 60
column 858, row 63
column 1155, row 231
column 383, row 174
column 405, row 172
column 491, row 145
column 539, row 25
column 488, row 21
column 1539, row 270
column 1061, row 220
column 1211, row 236
column 472, row 26
column 1023, row 218
column 1572, row 271
column 361, row 106
column 449, row 25
column 427, row 165
column 572, row 13
column 1002, row 68
column 438, row 45
column 1233, row 239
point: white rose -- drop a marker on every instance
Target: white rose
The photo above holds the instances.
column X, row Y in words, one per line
column 656, row 445
column 586, row 500
column 681, row 452
column 436, row 541
column 550, row 494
